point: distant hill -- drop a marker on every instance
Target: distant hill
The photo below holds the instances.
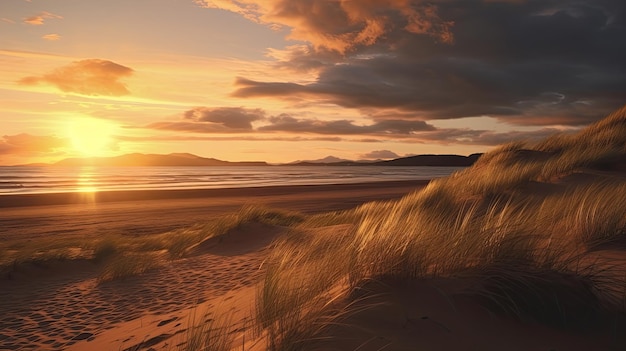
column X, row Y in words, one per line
column 186, row 159
column 175, row 160
column 433, row 161
column 419, row 160
column 327, row 159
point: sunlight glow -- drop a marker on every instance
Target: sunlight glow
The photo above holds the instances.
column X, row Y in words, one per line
column 91, row 137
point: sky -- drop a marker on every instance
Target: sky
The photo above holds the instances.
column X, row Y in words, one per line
column 285, row 80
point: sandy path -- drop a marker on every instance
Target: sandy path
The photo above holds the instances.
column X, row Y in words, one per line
column 56, row 312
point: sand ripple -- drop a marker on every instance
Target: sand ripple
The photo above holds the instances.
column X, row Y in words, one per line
column 52, row 313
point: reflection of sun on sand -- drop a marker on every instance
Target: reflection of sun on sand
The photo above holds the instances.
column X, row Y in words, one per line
column 86, row 188
column 85, row 182
column 523, row 251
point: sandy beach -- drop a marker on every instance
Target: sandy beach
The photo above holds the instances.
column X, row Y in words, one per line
column 151, row 212
column 57, row 306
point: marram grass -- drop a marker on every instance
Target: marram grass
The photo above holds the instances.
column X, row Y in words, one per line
column 525, row 238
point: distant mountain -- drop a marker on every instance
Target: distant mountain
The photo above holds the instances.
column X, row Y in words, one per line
column 177, row 159
column 419, row 160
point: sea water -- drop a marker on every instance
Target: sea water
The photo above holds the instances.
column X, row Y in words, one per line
column 34, row 180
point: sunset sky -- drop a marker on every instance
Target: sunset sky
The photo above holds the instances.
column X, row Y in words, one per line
column 282, row 80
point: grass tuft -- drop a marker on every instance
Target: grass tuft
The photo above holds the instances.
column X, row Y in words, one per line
column 208, row 333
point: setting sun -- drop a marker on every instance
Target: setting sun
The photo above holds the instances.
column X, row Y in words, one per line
column 91, row 137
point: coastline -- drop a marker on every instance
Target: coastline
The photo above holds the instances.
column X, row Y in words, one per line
column 70, row 198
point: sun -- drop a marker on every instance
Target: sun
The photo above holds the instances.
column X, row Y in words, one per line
column 91, row 137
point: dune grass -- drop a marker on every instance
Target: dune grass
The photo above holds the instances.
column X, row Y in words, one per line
column 122, row 255
column 208, row 332
column 528, row 252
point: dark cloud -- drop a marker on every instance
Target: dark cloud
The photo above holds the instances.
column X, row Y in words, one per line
column 229, row 117
column 303, row 58
column 86, row 77
column 534, row 62
column 379, row 155
column 26, row 144
column 229, row 120
column 214, row 120
column 239, row 120
column 286, row 123
column 343, row 25
column 482, row 137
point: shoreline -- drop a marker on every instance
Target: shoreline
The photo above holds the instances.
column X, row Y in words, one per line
column 67, row 215
column 75, row 198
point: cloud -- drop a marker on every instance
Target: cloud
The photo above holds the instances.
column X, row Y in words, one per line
column 256, row 125
column 342, row 25
column 40, row 18
column 247, row 124
column 534, row 62
column 229, row 117
column 26, row 144
column 51, row 37
column 239, row 120
column 229, row 138
column 379, row 155
column 214, row 120
column 86, row 77
column 482, row 137
column 287, row 123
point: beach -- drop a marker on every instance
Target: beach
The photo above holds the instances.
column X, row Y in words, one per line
column 57, row 305
column 153, row 211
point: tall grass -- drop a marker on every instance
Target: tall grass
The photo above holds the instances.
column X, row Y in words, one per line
column 126, row 265
column 528, row 252
column 208, row 332
column 124, row 254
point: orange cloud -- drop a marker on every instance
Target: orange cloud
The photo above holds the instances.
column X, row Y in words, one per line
column 52, row 37
column 86, row 77
column 26, row 144
column 342, row 25
column 39, row 19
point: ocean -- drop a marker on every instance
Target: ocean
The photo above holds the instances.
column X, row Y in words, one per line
column 39, row 180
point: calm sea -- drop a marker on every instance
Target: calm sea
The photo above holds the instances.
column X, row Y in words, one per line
column 29, row 180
